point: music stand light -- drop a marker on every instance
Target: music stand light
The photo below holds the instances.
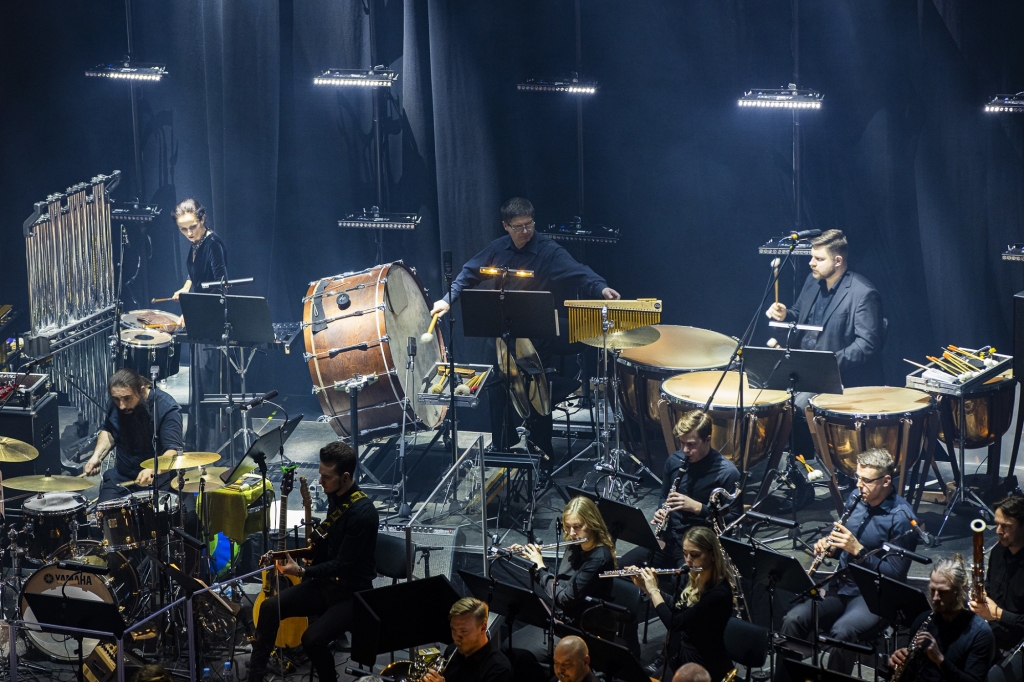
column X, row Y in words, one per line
column 1006, row 104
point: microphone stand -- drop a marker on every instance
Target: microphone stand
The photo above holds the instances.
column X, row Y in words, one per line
column 115, row 338
column 404, row 512
column 449, row 277
column 554, row 588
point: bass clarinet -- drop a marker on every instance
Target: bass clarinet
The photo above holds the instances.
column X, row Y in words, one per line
column 820, row 556
column 720, row 498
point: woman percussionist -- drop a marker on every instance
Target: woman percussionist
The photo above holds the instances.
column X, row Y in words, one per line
column 207, row 261
column 696, row 622
column 582, row 563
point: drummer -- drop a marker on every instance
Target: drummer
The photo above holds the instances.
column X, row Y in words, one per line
column 553, row 269
column 207, row 262
column 128, row 428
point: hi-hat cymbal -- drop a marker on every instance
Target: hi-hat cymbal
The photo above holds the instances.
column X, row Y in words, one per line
column 48, row 484
column 209, row 475
column 12, row 450
column 632, row 338
column 186, row 460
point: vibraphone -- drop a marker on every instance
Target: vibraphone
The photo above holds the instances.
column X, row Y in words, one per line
column 69, row 251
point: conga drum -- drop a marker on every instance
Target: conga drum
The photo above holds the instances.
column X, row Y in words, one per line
column 360, row 323
column 767, row 414
column 896, row 419
column 677, row 350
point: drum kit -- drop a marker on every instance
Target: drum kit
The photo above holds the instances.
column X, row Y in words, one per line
column 148, row 339
column 55, row 527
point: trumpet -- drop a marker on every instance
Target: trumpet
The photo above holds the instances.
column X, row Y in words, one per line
column 820, row 556
column 635, row 570
column 519, row 550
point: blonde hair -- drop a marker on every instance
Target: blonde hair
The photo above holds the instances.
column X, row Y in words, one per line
column 585, row 508
column 699, row 583
column 955, row 569
column 469, row 605
column 694, row 420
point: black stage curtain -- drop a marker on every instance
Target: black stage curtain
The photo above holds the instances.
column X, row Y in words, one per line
column 901, row 158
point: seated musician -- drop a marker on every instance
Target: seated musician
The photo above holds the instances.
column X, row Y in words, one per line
column 572, row 661
column 554, row 270
column 881, row 516
column 696, row 622
column 343, row 564
column 1003, row 607
column 128, row 429
column 955, row 644
column 578, row 574
column 691, row 672
column 474, row 658
column 699, row 469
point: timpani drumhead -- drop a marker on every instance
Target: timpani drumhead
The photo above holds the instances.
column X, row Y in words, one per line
column 694, row 388
column 870, row 401
column 681, row 349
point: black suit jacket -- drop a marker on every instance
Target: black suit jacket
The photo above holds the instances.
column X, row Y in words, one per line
column 853, row 327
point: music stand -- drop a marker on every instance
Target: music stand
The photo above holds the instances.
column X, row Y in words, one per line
column 492, row 313
column 82, row 614
column 804, row 672
column 381, row 631
column 580, row 492
column 614, row 660
column 895, row 601
column 628, row 524
column 515, row 603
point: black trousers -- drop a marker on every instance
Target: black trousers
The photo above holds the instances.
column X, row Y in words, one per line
column 316, row 597
column 845, row 618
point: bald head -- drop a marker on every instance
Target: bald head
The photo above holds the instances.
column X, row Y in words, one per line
column 572, row 659
column 691, row 672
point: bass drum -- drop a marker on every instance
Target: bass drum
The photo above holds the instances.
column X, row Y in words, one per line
column 360, row 323
column 119, row 586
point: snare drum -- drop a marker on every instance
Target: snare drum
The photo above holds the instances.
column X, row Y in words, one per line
column 129, row 522
column 768, row 414
column 866, row 417
column 359, row 323
column 677, row 350
column 143, row 348
column 47, row 522
column 119, row 586
column 151, row 319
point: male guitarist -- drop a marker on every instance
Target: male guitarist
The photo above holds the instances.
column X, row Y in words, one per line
column 342, row 565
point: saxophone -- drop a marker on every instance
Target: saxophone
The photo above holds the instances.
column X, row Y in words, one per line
column 720, row 499
column 820, row 556
column 978, row 566
column 428, row 659
column 915, row 653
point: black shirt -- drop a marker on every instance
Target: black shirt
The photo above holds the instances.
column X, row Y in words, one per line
column 554, row 269
column 888, row 522
column 816, row 317
column 578, row 579
column 697, row 482
column 1005, row 585
column 967, row 645
column 351, row 543
column 207, row 262
column 486, row 664
column 134, row 448
column 697, row 633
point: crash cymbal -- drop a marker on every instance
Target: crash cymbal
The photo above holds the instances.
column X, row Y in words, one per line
column 186, row 460
column 48, row 484
column 519, row 399
column 209, row 475
column 12, row 450
column 529, row 360
column 633, row 338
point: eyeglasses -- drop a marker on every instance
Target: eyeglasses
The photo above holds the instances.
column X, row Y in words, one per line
column 869, row 481
column 521, row 228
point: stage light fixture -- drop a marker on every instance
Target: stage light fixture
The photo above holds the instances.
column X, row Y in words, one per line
column 377, row 77
column 572, row 86
column 127, row 71
column 1006, row 104
column 781, row 98
column 375, row 220
column 495, row 270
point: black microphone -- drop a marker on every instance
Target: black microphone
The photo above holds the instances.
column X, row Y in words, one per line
column 258, row 401
column 81, row 567
column 411, row 350
column 804, row 234
column 913, row 556
column 606, row 604
column 774, row 520
column 446, row 258
column 189, row 540
column 35, row 362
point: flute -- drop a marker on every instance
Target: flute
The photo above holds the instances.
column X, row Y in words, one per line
column 519, row 550
column 626, row 572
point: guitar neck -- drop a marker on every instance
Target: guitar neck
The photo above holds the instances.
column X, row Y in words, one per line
column 282, row 523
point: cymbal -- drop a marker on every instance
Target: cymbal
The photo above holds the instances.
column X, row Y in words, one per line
column 633, row 338
column 540, row 395
column 186, row 460
column 48, row 484
column 209, row 475
column 520, row 401
column 12, row 450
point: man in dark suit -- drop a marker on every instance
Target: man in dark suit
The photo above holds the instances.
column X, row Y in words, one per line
column 848, row 308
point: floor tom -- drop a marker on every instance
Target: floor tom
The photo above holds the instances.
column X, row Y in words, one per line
column 47, row 519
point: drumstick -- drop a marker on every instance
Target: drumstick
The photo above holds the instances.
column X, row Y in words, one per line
column 945, row 367
column 964, row 367
column 161, row 300
column 916, row 364
column 429, row 335
column 775, row 272
column 964, row 352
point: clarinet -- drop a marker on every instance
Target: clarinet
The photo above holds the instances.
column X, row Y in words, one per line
column 820, row 556
column 915, row 653
column 673, row 488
